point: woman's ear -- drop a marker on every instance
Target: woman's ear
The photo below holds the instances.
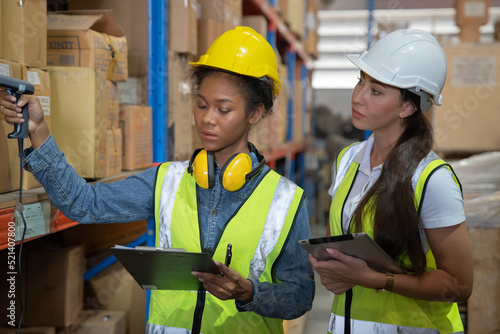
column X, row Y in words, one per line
column 408, row 109
column 256, row 115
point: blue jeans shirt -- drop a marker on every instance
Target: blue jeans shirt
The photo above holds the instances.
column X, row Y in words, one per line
column 131, row 200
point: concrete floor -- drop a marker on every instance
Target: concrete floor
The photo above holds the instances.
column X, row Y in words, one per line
column 316, row 320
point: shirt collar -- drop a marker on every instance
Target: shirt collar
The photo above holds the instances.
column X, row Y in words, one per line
column 363, row 157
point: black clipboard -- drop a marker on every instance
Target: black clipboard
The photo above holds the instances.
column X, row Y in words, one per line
column 359, row 245
column 164, row 269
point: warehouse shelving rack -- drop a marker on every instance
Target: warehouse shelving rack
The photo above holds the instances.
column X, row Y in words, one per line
column 291, row 152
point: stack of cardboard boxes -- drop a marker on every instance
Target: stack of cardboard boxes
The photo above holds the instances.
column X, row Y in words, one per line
column 23, row 55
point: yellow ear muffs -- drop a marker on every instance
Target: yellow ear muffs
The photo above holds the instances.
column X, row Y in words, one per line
column 234, row 173
column 203, row 169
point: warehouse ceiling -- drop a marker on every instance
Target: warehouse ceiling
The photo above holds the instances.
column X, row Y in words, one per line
column 343, row 29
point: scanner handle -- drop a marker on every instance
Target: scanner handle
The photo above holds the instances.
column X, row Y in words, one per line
column 20, row 129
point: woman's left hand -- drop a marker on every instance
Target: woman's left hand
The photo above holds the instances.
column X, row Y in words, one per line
column 341, row 273
column 230, row 286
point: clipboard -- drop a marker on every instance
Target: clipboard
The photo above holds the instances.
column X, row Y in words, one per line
column 164, row 268
column 359, row 245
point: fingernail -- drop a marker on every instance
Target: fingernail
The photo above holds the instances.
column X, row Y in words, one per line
column 19, row 109
column 330, row 251
column 13, row 99
column 20, row 115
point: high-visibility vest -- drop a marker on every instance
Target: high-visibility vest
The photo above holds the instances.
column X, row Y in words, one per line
column 258, row 232
column 367, row 311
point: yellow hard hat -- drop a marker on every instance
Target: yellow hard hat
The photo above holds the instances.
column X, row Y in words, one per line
column 243, row 51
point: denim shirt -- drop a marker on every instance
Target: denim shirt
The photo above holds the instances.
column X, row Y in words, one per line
column 131, row 200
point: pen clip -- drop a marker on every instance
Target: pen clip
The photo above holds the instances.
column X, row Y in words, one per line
column 229, row 255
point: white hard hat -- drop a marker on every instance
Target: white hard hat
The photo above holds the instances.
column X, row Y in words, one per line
column 410, row 59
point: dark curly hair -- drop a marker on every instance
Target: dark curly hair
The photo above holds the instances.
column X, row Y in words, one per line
column 255, row 90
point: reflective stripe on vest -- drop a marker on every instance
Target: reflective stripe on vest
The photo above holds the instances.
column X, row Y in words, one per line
column 380, row 312
column 266, row 218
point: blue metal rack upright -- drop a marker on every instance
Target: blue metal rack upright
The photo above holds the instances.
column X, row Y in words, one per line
column 158, row 44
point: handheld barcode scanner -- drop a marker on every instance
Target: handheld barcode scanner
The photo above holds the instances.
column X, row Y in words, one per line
column 17, row 88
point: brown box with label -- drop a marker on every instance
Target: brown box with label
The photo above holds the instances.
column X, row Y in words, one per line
column 133, row 18
column 54, row 277
column 24, row 31
column 88, row 38
column 137, row 129
column 468, row 119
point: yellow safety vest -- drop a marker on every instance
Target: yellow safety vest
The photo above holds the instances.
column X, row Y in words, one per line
column 258, row 232
column 392, row 313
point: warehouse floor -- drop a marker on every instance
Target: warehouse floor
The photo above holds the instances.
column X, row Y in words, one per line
column 316, row 320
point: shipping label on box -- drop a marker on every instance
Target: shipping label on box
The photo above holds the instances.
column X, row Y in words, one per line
column 88, row 38
column 24, row 32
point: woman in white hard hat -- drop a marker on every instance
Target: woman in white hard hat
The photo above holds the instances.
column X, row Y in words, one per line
column 397, row 190
column 225, row 194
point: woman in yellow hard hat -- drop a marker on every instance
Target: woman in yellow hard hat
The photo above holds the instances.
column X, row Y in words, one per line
column 396, row 189
column 225, row 194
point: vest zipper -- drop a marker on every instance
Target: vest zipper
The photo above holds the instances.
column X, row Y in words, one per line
column 198, row 311
column 347, row 312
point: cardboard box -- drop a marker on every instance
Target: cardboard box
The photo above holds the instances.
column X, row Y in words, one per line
column 471, row 14
column 134, row 91
column 114, row 148
column 278, row 119
column 180, row 109
column 80, row 118
column 296, row 17
column 133, row 18
column 113, row 102
column 137, row 128
column 24, row 31
column 468, row 119
column 88, row 38
column 104, row 322
column 100, row 237
column 9, row 164
column 115, row 289
column 1, row 37
column 210, row 23
column 257, row 22
column 183, row 23
column 54, row 277
column 233, row 12
column 40, row 79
